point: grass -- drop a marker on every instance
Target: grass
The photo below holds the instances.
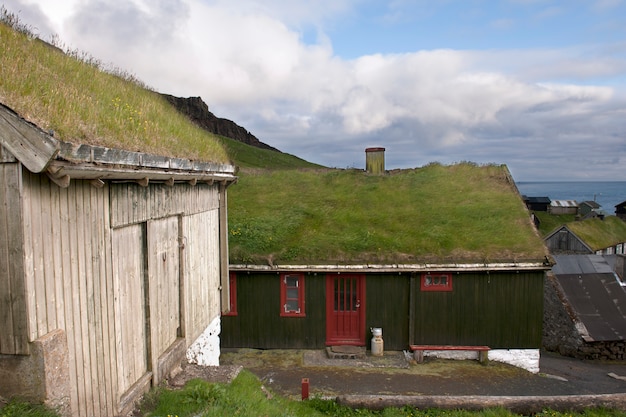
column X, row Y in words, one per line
column 598, row 234
column 82, row 100
column 247, row 156
column 463, row 212
column 73, row 95
column 247, row 397
column 18, row 408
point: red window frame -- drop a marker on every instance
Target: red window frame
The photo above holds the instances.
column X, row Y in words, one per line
column 436, row 282
column 292, row 295
column 232, row 293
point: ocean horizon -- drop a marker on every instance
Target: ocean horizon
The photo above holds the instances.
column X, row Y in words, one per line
column 607, row 194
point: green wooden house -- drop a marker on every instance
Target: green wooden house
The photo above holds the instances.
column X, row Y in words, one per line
column 439, row 255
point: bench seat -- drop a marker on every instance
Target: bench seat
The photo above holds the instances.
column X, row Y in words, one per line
column 418, row 351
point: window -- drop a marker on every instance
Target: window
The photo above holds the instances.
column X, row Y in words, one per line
column 292, row 295
column 232, row 307
column 436, row 282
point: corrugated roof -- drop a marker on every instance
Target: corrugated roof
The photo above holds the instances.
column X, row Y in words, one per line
column 564, row 203
column 595, row 293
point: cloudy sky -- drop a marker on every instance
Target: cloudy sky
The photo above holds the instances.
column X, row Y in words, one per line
column 538, row 85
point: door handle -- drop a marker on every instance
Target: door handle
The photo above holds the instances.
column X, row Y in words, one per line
column 358, row 304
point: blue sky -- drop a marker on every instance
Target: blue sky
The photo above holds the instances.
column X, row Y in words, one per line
column 538, row 85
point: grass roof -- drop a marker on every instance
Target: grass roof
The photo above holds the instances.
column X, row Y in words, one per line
column 72, row 95
column 458, row 213
column 600, row 234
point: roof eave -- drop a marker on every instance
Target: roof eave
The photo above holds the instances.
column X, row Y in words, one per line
column 399, row 268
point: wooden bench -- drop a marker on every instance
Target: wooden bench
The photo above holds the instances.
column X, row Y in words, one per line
column 418, row 351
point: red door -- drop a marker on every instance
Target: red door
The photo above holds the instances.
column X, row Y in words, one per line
column 345, row 309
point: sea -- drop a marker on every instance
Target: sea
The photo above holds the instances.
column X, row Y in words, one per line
column 607, row 194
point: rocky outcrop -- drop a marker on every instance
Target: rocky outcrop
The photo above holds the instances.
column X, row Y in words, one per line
column 198, row 111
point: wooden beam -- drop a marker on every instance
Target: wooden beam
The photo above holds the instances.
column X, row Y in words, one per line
column 98, row 183
column 29, row 144
column 525, row 405
column 62, row 181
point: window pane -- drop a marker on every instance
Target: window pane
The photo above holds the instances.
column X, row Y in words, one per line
column 292, row 305
column 291, row 281
column 292, row 294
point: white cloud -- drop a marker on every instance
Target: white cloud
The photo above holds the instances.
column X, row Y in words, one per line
column 250, row 64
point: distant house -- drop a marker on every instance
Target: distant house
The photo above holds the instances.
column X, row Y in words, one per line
column 620, row 210
column 112, row 263
column 590, row 210
column 537, row 203
column 585, row 305
column 563, row 207
column 374, row 274
column 592, row 236
column 587, row 207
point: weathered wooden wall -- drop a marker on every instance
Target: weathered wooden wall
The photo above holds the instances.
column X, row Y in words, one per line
column 502, row 310
column 14, row 334
column 499, row 309
column 388, row 308
column 125, row 271
column 258, row 323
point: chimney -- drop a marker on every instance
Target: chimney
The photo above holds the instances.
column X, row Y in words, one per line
column 375, row 160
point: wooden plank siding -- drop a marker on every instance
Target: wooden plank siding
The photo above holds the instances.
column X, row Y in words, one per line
column 258, row 323
column 202, row 271
column 132, row 203
column 498, row 309
column 129, row 283
column 122, row 269
column 501, row 310
column 13, row 317
column 163, row 287
column 388, row 308
column 67, row 259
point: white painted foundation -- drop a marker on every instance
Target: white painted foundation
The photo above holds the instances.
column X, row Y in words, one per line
column 206, row 349
column 527, row 359
column 522, row 358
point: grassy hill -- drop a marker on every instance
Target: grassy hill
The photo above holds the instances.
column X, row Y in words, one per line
column 246, row 156
column 74, row 96
column 437, row 213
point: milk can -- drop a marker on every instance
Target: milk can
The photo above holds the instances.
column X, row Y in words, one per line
column 377, row 341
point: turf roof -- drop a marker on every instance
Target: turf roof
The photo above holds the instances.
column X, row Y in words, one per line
column 436, row 214
column 600, row 234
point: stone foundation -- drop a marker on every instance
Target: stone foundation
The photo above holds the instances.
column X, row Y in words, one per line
column 41, row 377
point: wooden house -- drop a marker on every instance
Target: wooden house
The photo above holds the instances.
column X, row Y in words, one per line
column 620, row 210
column 394, row 252
column 563, row 207
column 112, row 263
column 606, row 235
column 537, row 203
column 587, row 207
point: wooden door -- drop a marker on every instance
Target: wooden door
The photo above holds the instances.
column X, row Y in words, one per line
column 345, row 309
column 131, row 335
column 163, row 287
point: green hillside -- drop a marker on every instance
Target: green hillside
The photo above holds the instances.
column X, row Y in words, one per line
column 246, row 156
column 74, row 96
